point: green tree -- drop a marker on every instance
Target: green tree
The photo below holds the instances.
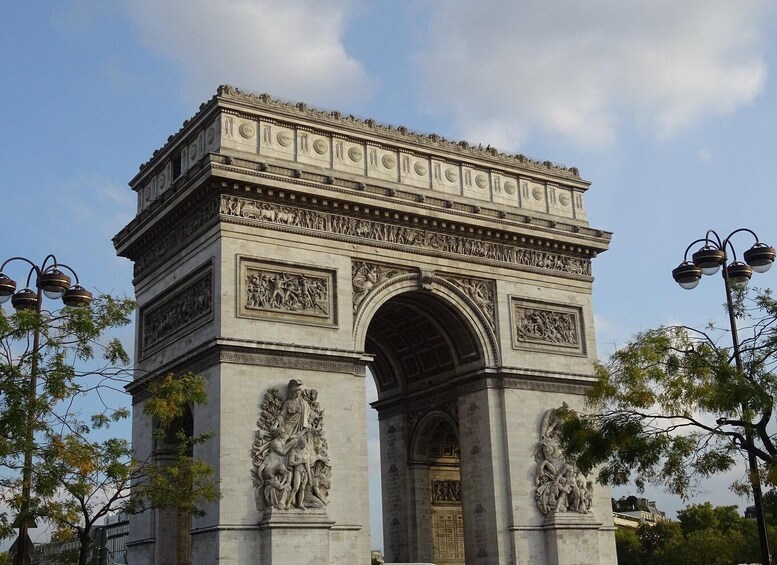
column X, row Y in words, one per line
column 671, row 407
column 79, row 473
column 628, row 546
column 700, row 517
column 655, row 537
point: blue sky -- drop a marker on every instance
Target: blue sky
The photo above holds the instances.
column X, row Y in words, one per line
column 669, row 108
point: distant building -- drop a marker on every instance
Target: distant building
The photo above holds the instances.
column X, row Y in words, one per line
column 109, row 546
column 630, row 512
column 750, row 513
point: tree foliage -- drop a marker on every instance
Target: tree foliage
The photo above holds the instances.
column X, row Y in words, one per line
column 704, row 533
column 671, row 406
column 80, row 473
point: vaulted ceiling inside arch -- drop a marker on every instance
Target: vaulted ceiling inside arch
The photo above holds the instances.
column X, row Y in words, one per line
column 418, row 340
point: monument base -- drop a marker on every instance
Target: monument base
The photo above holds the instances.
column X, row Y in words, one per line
column 570, row 540
column 295, row 536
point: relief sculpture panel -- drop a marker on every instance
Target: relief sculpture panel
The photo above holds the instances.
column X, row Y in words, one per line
column 545, row 326
column 279, row 291
column 559, row 485
column 290, row 454
column 177, row 311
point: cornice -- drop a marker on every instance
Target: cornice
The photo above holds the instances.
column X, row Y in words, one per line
column 186, row 209
column 229, row 97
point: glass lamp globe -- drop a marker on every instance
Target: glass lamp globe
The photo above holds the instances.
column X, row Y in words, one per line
column 687, row 275
column 760, row 257
column 54, row 283
column 709, row 259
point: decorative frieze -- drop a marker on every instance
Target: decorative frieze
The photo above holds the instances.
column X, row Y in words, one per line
column 180, row 309
column 559, row 485
column 406, row 238
column 281, row 291
column 539, row 325
column 290, row 453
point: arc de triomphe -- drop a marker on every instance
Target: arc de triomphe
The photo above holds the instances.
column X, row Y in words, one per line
column 282, row 251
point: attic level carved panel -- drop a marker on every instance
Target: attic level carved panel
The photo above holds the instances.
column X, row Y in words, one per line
column 279, row 291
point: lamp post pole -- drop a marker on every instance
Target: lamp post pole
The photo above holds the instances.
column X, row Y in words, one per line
column 752, row 461
column 706, row 261
column 53, row 283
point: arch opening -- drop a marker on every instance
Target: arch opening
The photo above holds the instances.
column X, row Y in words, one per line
column 420, row 340
column 423, row 345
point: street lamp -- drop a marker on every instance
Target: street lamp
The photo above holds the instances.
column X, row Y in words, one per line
column 52, row 283
column 708, row 260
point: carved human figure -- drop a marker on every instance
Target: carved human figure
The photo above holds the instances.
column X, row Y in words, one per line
column 295, row 412
column 290, row 454
column 559, row 486
column 300, row 463
column 277, row 489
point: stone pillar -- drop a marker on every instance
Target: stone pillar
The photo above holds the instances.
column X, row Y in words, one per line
column 485, row 488
column 395, row 486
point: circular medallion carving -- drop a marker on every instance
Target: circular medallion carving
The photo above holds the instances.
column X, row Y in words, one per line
column 451, row 175
column 193, row 152
column 388, row 161
column 355, row 154
column 284, row 138
column 420, row 168
column 210, row 136
column 320, row 146
column 246, row 130
column 536, row 192
column 481, row 181
column 161, row 179
column 509, row 187
column 564, row 199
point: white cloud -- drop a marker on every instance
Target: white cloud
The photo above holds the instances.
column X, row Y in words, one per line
column 579, row 70
column 288, row 48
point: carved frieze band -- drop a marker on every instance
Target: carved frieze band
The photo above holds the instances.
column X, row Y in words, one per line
column 401, row 237
column 186, row 307
column 280, row 291
column 539, row 325
column 446, row 491
column 175, row 237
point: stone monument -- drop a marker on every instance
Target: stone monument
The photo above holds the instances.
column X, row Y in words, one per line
column 287, row 254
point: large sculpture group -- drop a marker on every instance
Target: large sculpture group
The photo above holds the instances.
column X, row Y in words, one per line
column 560, row 487
column 290, row 454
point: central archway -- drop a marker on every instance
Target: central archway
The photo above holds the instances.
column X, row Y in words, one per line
column 424, row 345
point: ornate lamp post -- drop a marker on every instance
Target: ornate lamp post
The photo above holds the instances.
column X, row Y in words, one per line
column 52, row 283
column 708, row 260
